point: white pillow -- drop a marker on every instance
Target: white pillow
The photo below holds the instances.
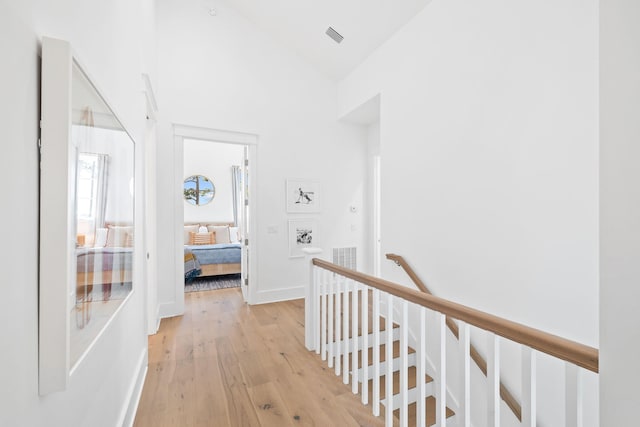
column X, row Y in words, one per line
column 117, row 236
column 101, row 237
column 203, row 229
column 234, row 237
column 187, row 230
column 222, row 233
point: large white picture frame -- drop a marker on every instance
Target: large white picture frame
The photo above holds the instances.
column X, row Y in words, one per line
column 303, row 196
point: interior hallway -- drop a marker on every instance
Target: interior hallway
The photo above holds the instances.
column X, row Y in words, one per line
column 225, row 363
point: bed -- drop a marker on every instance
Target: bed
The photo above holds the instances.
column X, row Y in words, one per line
column 104, row 267
column 217, row 259
column 204, row 258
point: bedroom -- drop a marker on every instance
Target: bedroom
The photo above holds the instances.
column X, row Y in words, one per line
column 213, row 214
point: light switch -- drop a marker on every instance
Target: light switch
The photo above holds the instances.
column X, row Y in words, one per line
column 272, row 229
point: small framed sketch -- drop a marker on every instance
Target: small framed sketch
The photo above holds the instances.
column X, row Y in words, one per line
column 303, row 233
column 303, row 196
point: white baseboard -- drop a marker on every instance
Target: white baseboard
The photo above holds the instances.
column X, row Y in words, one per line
column 276, row 295
column 158, row 319
column 168, row 309
column 128, row 415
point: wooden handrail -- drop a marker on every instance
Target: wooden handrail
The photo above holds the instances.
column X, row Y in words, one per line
column 561, row 348
column 399, row 260
column 508, row 398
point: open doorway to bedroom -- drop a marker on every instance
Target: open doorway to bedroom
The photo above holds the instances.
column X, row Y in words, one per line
column 213, row 214
column 214, row 211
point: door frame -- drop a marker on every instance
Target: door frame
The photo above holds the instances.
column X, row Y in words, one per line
column 182, row 132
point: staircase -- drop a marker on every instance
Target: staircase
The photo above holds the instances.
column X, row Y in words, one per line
column 366, row 358
column 359, row 325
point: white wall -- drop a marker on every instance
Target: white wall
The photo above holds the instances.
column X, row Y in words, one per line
column 490, row 157
column 104, row 36
column 213, row 160
column 619, row 212
column 222, row 73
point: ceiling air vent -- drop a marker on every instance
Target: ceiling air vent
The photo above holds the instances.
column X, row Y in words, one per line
column 334, row 35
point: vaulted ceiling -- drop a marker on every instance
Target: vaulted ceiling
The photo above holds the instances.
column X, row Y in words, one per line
column 301, row 25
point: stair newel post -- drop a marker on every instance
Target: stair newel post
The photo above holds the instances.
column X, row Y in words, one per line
column 529, row 385
column 388, row 379
column 464, row 342
column 323, row 314
column 311, row 303
column 376, row 352
column 365, row 345
column 313, row 327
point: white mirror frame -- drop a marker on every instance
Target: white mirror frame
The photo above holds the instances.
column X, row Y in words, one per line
column 57, row 269
column 56, row 207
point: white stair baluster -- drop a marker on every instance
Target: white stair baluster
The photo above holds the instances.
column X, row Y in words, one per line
column 404, row 365
column 330, row 318
column 493, row 380
column 323, row 314
column 528, row 387
column 388, row 379
column 338, row 322
column 421, row 370
column 345, row 332
column 464, row 408
column 354, row 338
column 365, row 344
column 573, row 396
column 441, row 384
column 376, row 352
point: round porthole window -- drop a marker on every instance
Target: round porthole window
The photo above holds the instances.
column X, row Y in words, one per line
column 198, row 190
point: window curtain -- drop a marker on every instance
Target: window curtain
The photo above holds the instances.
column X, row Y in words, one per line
column 236, row 182
column 101, row 184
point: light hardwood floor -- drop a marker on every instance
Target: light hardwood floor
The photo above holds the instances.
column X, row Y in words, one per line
column 225, row 363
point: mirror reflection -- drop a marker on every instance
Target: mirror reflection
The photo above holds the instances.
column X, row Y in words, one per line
column 104, row 214
column 198, row 190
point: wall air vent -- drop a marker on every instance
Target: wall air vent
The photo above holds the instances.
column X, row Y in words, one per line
column 345, row 257
column 334, row 35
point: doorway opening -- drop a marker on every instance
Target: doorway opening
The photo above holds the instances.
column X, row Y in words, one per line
column 367, row 115
column 214, row 211
column 213, row 214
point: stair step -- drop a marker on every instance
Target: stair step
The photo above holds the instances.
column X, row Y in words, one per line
column 339, row 346
column 430, row 412
column 396, row 382
column 412, row 395
column 411, row 359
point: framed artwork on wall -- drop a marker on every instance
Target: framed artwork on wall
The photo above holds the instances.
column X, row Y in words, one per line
column 303, row 233
column 303, row 196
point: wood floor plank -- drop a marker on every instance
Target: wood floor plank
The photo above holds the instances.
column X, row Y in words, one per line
column 270, row 406
column 211, row 399
column 240, row 408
